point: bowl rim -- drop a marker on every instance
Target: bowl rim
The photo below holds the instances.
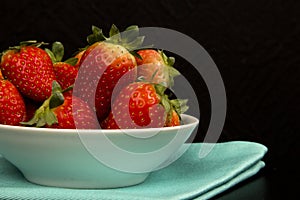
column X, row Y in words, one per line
column 194, row 122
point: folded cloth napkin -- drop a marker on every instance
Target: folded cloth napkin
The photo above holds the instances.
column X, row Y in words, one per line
column 189, row 177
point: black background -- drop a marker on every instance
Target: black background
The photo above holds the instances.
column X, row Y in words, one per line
column 255, row 45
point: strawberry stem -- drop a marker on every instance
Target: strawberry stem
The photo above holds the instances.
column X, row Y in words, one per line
column 71, row 61
column 169, row 62
column 57, row 53
column 28, row 43
column 129, row 39
column 178, row 105
column 68, row 89
column 44, row 114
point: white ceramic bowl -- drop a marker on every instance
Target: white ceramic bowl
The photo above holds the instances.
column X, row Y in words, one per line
column 68, row 158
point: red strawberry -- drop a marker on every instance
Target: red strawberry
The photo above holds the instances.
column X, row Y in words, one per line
column 78, row 56
column 104, row 64
column 31, row 107
column 64, row 112
column 30, row 69
column 141, row 105
column 154, row 66
column 173, row 120
column 12, row 106
column 85, row 117
column 65, row 72
column 1, row 76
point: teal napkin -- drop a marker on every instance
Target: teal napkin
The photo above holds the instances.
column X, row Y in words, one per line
column 189, row 177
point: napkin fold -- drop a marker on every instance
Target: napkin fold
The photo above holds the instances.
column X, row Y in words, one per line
column 189, row 177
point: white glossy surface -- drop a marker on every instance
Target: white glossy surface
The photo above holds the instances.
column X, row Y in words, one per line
column 57, row 157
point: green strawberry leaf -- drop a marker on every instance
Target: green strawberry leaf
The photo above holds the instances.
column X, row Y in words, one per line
column 44, row 114
column 41, row 122
column 58, row 51
column 167, row 60
column 28, row 42
column 135, row 44
column 57, row 54
column 68, row 89
column 51, row 55
column 114, row 31
column 135, row 54
column 114, row 35
column 171, row 61
column 56, row 87
column 166, row 103
column 71, row 61
column 130, row 33
column 56, row 100
column 50, row 117
column 160, row 89
column 179, row 105
column 173, row 72
column 96, row 36
column 129, row 39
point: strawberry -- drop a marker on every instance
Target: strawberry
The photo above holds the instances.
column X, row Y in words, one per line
column 173, row 120
column 31, row 107
column 79, row 56
column 103, row 65
column 59, row 109
column 143, row 105
column 65, row 72
column 154, row 66
column 30, row 69
column 85, row 118
column 12, row 106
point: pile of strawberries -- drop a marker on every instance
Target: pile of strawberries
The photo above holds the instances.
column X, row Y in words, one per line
column 120, row 87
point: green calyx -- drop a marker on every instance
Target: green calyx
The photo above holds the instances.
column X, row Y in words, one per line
column 169, row 62
column 57, row 53
column 28, row 43
column 44, row 115
column 23, row 44
column 129, row 38
column 179, row 105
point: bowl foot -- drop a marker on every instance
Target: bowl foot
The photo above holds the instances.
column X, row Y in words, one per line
column 116, row 182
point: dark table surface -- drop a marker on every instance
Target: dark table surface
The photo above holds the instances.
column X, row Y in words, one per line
column 267, row 184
